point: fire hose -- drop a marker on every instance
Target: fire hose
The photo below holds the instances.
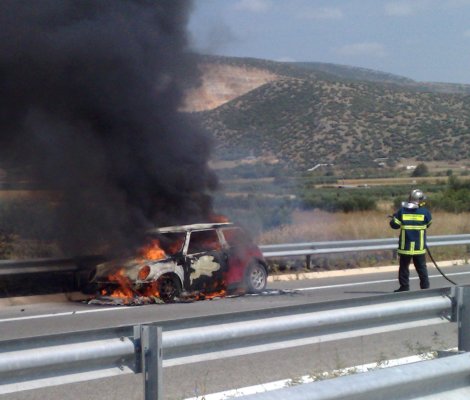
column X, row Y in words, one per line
column 437, row 266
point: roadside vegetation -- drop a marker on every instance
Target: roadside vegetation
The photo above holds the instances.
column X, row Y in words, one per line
column 318, row 226
column 307, row 209
column 266, row 203
column 277, row 209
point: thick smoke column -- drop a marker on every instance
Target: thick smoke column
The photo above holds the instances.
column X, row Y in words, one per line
column 89, row 93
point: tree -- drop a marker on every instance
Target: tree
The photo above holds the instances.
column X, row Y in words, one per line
column 420, row 170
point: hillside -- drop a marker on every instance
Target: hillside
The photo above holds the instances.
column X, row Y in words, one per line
column 222, row 83
column 316, row 113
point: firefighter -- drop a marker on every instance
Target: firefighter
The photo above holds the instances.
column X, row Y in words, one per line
column 412, row 219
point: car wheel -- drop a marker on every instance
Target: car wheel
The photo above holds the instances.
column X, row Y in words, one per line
column 255, row 278
column 169, row 288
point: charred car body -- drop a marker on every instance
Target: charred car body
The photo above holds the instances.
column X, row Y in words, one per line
column 199, row 258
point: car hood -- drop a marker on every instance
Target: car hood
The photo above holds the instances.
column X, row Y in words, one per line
column 129, row 266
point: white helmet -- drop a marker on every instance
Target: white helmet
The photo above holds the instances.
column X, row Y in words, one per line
column 416, row 197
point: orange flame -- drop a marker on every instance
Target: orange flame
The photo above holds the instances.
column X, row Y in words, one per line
column 211, row 291
column 151, row 290
column 152, row 251
column 212, row 295
column 124, row 291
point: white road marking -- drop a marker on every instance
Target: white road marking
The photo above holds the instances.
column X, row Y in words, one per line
column 71, row 313
column 371, row 282
column 62, row 314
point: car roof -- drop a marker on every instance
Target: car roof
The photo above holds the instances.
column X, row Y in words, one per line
column 192, row 227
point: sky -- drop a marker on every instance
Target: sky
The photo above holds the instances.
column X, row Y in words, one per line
column 425, row 40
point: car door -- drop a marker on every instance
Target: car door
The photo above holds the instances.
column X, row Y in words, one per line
column 238, row 246
column 206, row 261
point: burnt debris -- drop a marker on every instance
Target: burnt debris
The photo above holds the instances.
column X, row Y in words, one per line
column 89, row 99
column 186, row 297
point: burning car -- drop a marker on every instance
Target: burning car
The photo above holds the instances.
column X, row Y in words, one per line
column 207, row 259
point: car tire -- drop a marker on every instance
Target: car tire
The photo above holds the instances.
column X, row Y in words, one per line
column 169, row 288
column 256, row 277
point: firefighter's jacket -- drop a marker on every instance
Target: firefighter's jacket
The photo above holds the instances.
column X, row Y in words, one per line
column 413, row 223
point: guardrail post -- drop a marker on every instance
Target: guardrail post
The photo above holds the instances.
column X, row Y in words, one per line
column 151, row 345
column 308, row 261
column 463, row 317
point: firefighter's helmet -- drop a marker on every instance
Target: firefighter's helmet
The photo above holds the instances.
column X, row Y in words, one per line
column 417, row 197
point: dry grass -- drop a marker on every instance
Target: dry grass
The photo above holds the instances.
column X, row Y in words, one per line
column 321, row 226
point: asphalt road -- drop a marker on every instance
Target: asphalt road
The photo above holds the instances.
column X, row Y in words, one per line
column 202, row 378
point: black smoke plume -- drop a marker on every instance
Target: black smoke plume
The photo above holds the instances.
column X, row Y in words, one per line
column 89, row 98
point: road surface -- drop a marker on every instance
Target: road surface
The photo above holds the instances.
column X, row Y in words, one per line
column 203, row 378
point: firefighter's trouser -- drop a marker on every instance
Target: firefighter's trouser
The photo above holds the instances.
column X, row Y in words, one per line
column 419, row 262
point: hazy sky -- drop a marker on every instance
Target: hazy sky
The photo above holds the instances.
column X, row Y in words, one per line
column 426, row 40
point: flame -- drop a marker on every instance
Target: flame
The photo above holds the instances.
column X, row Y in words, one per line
column 151, row 290
column 152, row 251
column 129, row 295
column 124, row 291
column 210, row 291
column 212, row 295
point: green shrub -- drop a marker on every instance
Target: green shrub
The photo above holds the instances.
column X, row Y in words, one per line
column 340, row 200
column 452, row 200
column 420, row 170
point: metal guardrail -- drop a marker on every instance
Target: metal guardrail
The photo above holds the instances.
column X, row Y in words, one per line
column 311, row 248
column 269, row 251
column 37, row 265
column 41, row 265
column 444, row 378
column 65, row 358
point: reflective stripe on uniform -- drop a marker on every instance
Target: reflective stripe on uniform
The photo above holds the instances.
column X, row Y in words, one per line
column 413, row 227
column 411, row 253
column 413, row 230
column 413, row 217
